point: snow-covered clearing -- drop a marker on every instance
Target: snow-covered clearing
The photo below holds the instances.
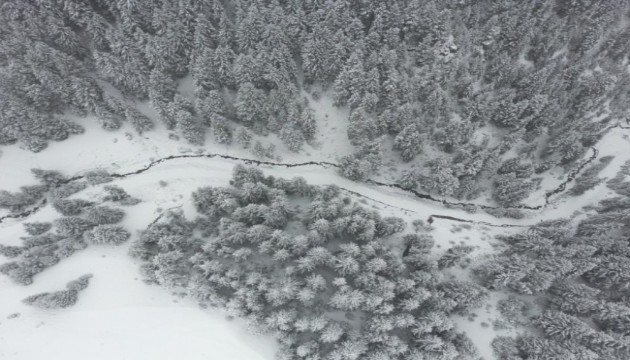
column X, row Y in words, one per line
column 118, row 317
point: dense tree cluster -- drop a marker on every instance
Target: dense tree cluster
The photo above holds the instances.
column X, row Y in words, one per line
column 589, row 179
column 309, row 265
column 29, row 195
column 468, row 84
column 579, row 272
column 37, row 253
column 83, row 222
column 60, row 299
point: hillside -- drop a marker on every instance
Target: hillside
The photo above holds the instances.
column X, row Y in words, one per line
column 314, row 180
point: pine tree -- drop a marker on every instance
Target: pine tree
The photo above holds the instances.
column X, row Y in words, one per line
column 249, row 104
column 350, row 81
column 292, row 137
column 138, row 120
column 161, row 93
column 362, row 163
column 409, row 142
column 244, row 137
column 363, row 127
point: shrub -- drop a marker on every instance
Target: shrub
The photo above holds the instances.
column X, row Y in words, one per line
column 56, row 300
column 104, row 215
column 20, row 272
column 107, row 234
column 28, row 195
column 71, row 207
column 50, row 178
column 264, row 152
column 79, row 284
column 37, row 228
column 69, row 246
column 38, row 240
column 66, row 190
column 118, row 194
column 454, row 255
column 96, row 177
column 390, row 225
column 73, row 226
column 115, row 193
column 10, row 251
column 512, row 309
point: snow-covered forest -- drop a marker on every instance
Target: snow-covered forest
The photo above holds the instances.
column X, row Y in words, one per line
column 315, row 179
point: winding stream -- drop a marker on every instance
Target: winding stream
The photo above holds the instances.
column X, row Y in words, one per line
column 572, row 174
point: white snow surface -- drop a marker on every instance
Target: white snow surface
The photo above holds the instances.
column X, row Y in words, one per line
column 118, row 317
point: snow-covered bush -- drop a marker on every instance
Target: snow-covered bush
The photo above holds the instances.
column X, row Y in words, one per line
column 96, row 177
column 20, row 273
column 512, row 309
column 107, row 234
column 50, row 178
column 71, row 207
column 28, row 196
column 79, row 284
column 56, row 300
column 104, row 215
column 73, row 226
column 65, row 190
column 10, row 251
column 117, row 194
column 33, row 259
column 454, row 256
column 37, row 228
column 60, row 299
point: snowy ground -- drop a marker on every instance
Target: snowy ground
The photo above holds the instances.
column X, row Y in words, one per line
column 119, row 317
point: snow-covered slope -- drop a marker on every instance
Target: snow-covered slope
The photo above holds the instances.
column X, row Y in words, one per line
column 120, row 317
column 117, row 316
